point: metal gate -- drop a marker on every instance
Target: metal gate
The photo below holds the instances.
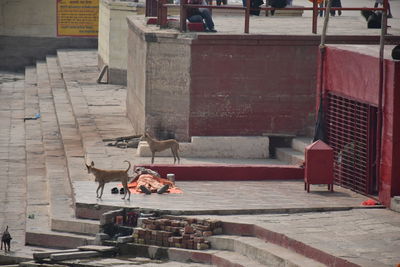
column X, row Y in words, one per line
column 351, row 132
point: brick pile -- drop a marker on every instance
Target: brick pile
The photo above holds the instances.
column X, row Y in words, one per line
column 186, row 233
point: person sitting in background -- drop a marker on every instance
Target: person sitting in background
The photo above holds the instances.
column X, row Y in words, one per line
column 277, row 4
column 380, row 2
column 336, row 3
column 201, row 15
column 254, row 6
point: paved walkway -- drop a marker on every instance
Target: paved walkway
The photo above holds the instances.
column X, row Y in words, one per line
column 12, row 157
column 367, row 237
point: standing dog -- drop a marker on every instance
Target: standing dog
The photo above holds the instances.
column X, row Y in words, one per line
column 105, row 176
column 158, row 146
column 6, row 240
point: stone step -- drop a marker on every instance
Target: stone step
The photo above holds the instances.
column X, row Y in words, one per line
column 208, row 257
column 95, row 119
column 76, row 226
column 73, row 149
column 246, row 147
column 38, row 203
column 289, row 155
column 49, row 205
column 229, row 258
column 52, row 239
column 264, row 253
column 300, row 143
column 70, row 135
column 395, row 203
column 59, row 185
column 85, row 123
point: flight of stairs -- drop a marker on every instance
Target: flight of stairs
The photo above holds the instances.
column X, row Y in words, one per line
column 58, row 142
column 54, row 148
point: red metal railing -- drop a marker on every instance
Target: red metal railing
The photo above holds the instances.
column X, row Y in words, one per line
column 351, row 128
column 162, row 7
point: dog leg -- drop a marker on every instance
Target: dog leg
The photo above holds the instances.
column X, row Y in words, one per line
column 177, row 155
column 102, row 188
column 97, row 191
column 127, row 191
column 173, row 154
column 152, row 157
column 125, row 185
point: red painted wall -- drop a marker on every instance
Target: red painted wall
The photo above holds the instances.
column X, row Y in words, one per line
column 354, row 72
column 250, row 86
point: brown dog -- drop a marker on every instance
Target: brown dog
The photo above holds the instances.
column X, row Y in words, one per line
column 105, row 176
column 6, row 240
column 158, row 146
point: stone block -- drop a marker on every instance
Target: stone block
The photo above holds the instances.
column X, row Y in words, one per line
column 74, row 255
column 44, row 255
column 125, row 239
column 98, row 248
column 217, row 147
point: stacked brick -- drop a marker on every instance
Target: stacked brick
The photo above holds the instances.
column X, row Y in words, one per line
column 179, row 233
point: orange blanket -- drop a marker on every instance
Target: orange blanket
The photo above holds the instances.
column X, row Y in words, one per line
column 153, row 184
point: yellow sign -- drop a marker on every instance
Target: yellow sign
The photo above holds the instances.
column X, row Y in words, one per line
column 77, row 17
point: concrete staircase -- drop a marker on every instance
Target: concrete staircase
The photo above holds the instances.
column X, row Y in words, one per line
column 259, row 251
column 294, row 155
column 63, row 130
column 52, row 146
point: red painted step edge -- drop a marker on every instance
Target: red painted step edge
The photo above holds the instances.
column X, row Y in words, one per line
column 228, row 172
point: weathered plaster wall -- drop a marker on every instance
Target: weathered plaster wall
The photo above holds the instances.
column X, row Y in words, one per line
column 136, row 79
column 28, row 31
column 28, row 18
column 104, row 34
column 209, row 85
column 251, row 86
column 158, row 81
column 113, row 32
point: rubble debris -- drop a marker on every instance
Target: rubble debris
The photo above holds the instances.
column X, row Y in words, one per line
column 131, row 141
column 189, row 233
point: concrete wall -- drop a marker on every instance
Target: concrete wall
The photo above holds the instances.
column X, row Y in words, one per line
column 28, row 31
column 206, row 85
column 113, row 32
column 251, row 86
column 16, row 52
column 28, row 18
column 158, row 81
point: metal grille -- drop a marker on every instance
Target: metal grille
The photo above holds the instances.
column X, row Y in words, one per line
column 350, row 127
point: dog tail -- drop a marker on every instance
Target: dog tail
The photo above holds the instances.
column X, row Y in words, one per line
column 128, row 166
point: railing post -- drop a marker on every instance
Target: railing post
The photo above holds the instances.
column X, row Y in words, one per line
column 151, row 8
column 384, row 18
column 247, row 17
column 162, row 14
column 183, row 15
column 315, row 16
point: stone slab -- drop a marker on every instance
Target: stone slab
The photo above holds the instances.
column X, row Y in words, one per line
column 74, row 255
column 98, row 248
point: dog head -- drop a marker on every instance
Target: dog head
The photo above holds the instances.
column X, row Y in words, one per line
column 89, row 167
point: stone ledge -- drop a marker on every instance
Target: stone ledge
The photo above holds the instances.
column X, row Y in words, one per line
column 246, row 147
